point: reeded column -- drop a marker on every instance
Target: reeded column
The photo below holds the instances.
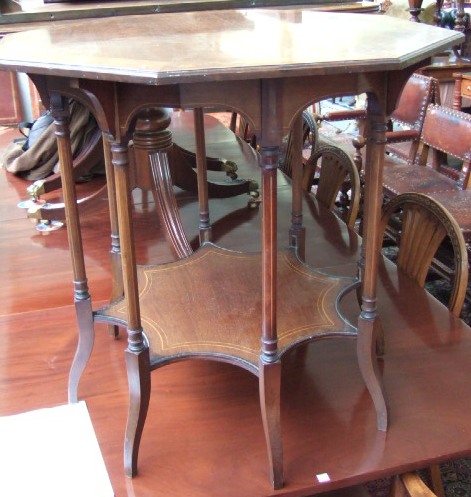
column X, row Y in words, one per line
column 152, row 143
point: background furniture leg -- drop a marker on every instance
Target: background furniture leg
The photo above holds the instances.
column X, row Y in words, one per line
column 270, row 396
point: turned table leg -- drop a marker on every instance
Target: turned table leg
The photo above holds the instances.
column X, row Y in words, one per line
column 137, row 352
column 368, row 322
column 60, row 112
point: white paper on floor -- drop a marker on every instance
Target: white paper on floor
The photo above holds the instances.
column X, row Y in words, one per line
column 52, row 452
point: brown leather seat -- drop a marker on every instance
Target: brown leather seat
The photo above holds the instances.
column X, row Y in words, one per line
column 446, row 133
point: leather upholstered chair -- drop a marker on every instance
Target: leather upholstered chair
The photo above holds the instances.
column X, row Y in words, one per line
column 446, row 134
column 406, row 120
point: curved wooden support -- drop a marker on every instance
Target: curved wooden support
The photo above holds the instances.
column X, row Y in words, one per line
column 57, row 211
column 184, row 175
column 152, row 142
column 367, row 361
column 89, row 156
column 138, row 368
column 86, row 334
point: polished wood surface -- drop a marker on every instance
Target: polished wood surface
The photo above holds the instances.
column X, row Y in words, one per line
column 37, row 14
column 196, row 402
column 104, row 50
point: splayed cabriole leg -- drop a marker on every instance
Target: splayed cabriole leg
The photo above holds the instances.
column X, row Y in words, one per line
column 138, row 368
column 369, row 326
column 366, row 351
column 137, row 352
column 83, row 308
column 84, row 348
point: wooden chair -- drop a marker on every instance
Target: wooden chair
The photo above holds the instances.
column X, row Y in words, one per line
column 446, row 133
column 404, row 485
column 310, row 134
column 407, row 118
column 409, row 114
column 424, row 224
column 336, row 180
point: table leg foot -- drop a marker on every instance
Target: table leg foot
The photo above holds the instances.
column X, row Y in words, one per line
column 138, row 368
column 366, row 351
column 84, row 348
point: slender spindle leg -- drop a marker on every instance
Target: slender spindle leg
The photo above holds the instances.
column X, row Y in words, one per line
column 297, row 231
column 368, row 322
column 137, row 352
column 117, row 289
column 269, row 363
column 205, row 226
column 83, row 308
column 152, row 143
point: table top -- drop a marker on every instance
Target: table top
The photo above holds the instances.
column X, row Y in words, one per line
column 217, row 45
column 15, row 17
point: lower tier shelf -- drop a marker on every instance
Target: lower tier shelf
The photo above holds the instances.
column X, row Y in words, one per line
column 210, row 305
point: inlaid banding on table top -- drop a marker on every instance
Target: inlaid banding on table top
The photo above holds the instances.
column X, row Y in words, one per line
column 208, row 45
column 193, row 305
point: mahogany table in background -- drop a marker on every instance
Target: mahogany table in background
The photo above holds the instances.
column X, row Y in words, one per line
column 327, row 416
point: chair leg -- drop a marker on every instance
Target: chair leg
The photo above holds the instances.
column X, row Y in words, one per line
column 270, row 397
column 366, row 353
column 436, row 479
column 86, row 340
column 138, row 368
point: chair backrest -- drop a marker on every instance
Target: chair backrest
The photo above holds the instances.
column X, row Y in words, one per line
column 410, row 485
column 424, row 225
column 418, row 92
column 334, row 172
column 292, row 151
column 447, row 131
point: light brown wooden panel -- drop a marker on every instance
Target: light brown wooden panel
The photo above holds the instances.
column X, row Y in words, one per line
column 10, row 109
